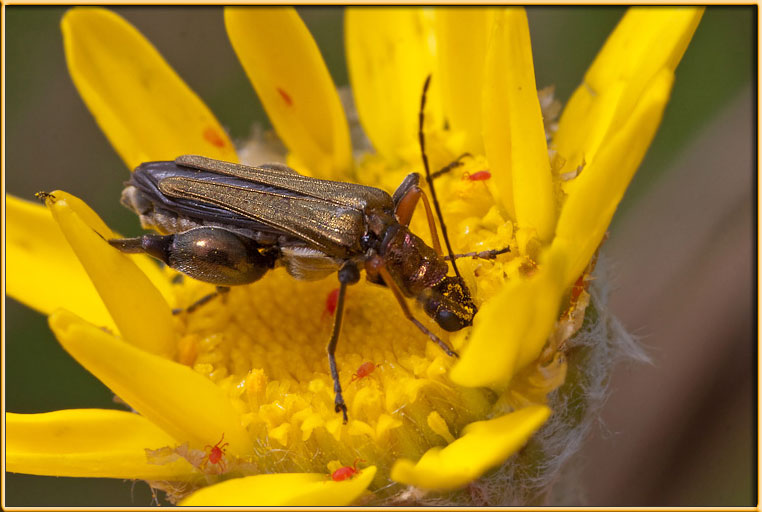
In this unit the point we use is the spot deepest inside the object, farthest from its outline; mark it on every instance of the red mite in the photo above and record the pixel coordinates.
(480, 176)
(363, 371)
(346, 472)
(215, 454)
(330, 302)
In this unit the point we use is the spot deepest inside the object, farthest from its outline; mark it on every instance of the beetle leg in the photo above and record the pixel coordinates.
(405, 200)
(449, 167)
(348, 274)
(399, 198)
(378, 266)
(331, 349)
(221, 290)
(482, 255)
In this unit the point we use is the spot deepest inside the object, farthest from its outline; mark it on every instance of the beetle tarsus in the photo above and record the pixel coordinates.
(44, 196)
(348, 274)
(449, 167)
(482, 255)
(341, 406)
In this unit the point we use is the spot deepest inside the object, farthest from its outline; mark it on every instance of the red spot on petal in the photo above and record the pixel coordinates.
(480, 176)
(285, 96)
(331, 301)
(213, 136)
(577, 289)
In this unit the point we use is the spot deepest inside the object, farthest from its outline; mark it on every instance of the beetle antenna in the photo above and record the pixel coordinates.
(429, 178)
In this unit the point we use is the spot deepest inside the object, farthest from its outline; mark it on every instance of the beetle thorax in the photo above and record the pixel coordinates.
(414, 265)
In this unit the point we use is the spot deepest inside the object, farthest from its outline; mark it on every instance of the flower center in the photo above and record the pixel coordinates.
(265, 344)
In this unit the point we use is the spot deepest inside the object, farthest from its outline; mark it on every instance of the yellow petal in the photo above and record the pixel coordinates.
(89, 443)
(136, 305)
(484, 444)
(461, 51)
(143, 106)
(511, 328)
(514, 135)
(42, 271)
(183, 403)
(646, 40)
(283, 489)
(588, 210)
(389, 55)
(286, 69)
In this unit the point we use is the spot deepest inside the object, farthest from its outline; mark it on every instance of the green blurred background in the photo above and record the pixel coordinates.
(680, 432)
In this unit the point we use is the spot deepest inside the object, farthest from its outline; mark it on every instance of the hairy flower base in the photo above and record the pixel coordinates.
(576, 382)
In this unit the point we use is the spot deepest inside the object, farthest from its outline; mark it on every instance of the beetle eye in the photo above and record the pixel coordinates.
(449, 321)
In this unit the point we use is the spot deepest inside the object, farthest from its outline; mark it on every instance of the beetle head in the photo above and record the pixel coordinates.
(449, 303)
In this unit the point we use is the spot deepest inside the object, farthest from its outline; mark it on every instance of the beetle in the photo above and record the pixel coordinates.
(229, 224)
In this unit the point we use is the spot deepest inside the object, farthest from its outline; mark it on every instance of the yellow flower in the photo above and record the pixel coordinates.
(248, 371)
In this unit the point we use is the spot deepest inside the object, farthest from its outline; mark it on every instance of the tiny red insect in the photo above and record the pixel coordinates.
(346, 472)
(330, 302)
(479, 176)
(215, 455)
(363, 371)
